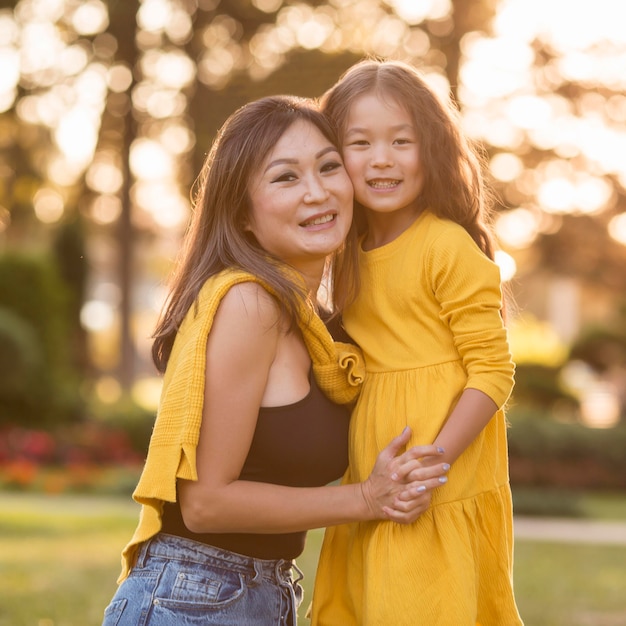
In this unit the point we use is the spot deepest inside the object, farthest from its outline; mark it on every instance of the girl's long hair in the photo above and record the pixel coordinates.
(453, 170)
(216, 238)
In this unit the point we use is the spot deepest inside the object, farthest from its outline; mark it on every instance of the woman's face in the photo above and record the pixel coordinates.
(301, 198)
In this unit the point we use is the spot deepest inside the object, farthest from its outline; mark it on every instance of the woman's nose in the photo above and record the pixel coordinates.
(316, 190)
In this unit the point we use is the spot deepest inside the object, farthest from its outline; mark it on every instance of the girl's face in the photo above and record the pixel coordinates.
(382, 156)
(301, 198)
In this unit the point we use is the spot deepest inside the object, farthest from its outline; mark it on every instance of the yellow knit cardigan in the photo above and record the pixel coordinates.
(338, 370)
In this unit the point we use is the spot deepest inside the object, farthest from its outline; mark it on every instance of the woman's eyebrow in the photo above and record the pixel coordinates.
(294, 161)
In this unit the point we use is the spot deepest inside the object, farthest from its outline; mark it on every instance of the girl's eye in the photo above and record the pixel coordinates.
(358, 142)
(403, 141)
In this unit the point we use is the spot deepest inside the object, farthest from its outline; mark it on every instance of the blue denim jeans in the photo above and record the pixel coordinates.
(177, 581)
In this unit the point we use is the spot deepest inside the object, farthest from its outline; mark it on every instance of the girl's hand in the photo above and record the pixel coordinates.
(399, 486)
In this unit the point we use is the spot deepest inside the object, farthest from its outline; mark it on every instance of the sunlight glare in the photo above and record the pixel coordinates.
(40, 48)
(73, 60)
(506, 264)
(617, 228)
(90, 17)
(9, 30)
(77, 134)
(413, 12)
(104, 175)
(40, 10)
(557, 195)
(592, 194)
(506, 166)
(63, 172)
(96, 315)
(150, 160)
(165, 103)
(48, 205)
(517, 228)
(162, 202)
(9, 69)
(175, 69)
(312, 33)
(267, 6)
(154, 15)
(177, 138)
(529, 111)
(119, 78)
(105, 209)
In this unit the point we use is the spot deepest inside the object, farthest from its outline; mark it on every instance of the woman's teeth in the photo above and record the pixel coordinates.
(320, 220)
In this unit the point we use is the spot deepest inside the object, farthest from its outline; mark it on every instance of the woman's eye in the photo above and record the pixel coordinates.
(331, 166)
(287, 177)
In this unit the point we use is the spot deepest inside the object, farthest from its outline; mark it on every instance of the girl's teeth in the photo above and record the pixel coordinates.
(380, 184)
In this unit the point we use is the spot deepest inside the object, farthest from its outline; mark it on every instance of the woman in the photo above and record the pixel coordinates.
(245, 441)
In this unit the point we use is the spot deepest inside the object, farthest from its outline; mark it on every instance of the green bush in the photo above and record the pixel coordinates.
(546, 452)
(35, 330)
(20, 354)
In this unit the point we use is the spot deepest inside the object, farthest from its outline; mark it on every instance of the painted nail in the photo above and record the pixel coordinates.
(421, 489)
(440, 450)
(446, 466)
(443, 479)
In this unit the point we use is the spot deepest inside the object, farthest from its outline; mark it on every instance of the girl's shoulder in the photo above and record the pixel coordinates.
(444, 231)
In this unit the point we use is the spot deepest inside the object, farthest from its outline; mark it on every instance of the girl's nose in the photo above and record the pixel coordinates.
(381, 157)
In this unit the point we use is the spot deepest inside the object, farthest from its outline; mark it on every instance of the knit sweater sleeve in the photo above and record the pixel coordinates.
(466, 283)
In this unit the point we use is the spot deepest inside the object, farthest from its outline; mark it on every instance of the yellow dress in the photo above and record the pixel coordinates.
(428, 321)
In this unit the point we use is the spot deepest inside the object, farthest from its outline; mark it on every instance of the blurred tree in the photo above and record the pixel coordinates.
(115, 104)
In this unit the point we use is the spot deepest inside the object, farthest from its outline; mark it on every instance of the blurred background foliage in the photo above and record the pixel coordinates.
(107, 109)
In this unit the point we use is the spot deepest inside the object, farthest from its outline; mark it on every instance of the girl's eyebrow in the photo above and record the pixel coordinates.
(398, 128)
(294, 161)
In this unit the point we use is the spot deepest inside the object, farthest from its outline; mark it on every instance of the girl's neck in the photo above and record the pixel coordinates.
(383, 228)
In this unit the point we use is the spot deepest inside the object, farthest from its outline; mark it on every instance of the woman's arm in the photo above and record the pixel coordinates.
(241, 350)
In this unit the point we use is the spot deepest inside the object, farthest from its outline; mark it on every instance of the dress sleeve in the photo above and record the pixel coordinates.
(466, 284)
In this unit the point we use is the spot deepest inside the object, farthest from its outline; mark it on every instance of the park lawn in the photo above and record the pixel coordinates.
(60, 558)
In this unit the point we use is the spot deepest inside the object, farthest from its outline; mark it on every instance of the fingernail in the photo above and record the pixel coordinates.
(405, 429)
(440, 450)
(421, 489)
(443, 479)
(394, 476)
(446, 466)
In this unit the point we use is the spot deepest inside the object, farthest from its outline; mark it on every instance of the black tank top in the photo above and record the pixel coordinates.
(304, 444)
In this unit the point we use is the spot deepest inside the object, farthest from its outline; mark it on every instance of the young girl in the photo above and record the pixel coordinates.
(428, 318)
(245, 441)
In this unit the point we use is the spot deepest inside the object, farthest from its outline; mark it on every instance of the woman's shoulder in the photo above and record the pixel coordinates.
(243, 296)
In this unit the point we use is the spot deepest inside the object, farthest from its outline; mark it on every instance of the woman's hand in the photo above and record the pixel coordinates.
(399, 487)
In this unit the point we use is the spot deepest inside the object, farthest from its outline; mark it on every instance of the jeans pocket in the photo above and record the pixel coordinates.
(193, 589)
(113, 612)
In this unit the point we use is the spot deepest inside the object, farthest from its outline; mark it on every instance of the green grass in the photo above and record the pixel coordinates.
(60, 558)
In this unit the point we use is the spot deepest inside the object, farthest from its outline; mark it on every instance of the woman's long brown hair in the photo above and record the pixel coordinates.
(216, 238)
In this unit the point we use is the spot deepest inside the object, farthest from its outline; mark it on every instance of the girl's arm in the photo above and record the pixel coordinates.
(242, 347)
(467, 286)
(470, 415)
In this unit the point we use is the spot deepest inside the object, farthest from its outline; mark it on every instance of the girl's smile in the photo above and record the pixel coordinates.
(382, 156)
